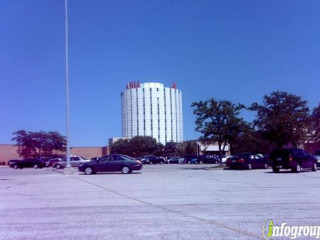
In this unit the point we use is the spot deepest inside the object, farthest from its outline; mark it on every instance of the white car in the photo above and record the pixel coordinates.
(74, 162)
(224, 158)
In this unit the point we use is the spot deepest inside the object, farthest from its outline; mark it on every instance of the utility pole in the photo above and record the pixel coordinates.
(68, 167)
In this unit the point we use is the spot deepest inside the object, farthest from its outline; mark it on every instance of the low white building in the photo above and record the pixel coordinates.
(212, 149)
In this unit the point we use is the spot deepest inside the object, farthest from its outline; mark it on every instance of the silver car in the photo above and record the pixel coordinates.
(74, 162)
(317, 156)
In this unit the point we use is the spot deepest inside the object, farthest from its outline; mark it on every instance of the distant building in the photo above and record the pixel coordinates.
(150, 109)
(10, 151)
(212, 149)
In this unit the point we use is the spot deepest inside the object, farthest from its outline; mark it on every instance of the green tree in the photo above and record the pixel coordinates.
(314, 130)
(25, 144)
(282, 118)
(137, 146)
(218, 121)
(190, 147)
(184, 148)
(143, 145)
(158, 150)
(57, 142)
(38, 144)
(121, 147)
(170, 149)
(250, 140)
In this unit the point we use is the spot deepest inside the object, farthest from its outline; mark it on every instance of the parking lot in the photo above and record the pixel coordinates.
(160, 202)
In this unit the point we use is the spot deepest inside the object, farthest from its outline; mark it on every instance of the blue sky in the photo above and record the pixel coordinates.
(234, 50)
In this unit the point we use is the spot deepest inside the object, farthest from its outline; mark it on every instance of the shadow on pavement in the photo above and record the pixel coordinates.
(109, 173)
(197, 167)
(286, 172)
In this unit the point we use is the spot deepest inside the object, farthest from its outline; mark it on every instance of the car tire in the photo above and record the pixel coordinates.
(58, 166)
(88, 171)
(249, 166)
(35, 166)
(314, 167)
(15, 166)
(125, 170)
(297, 169)
(275, 170)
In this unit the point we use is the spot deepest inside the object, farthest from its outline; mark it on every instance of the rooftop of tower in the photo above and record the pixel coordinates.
(147, 85)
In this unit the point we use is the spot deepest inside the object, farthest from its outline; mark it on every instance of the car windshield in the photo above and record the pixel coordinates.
(126, 157)
(280, 153)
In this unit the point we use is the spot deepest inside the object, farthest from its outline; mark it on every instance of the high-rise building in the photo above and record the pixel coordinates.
(150, 109)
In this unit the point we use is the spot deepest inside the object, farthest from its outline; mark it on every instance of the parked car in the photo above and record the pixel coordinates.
(44, 159)
(317, 155)
(111, 163)
(26, 163)
(293, 158)
(11, 162)
(74, 162)
(150, 159)
(174, 160)
(224, 158)
(208, 159)
(201, 159)
(247, 160)
(189, 159)
(194, 161)
(53, 161)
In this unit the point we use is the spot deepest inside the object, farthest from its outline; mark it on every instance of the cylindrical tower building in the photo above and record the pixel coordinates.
(150, 109)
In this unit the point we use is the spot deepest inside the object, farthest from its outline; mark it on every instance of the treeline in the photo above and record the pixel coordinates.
(39, 144)
(144, 145)
(282, 119)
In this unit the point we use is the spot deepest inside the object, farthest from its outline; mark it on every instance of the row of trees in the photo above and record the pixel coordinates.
(282, 119)
(39, 144)
(140, 145)
(45, 144)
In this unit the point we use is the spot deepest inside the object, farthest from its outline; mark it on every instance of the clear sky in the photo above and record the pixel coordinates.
(234, 50)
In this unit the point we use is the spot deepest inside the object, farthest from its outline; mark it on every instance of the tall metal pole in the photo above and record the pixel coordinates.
(67, 85)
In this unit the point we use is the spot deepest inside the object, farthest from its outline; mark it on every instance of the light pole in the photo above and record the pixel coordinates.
(67, 89)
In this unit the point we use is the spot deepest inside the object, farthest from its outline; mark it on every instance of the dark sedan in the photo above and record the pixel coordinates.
(150, 159)
(111, 163)
(247, 160)
(35, 163)
(293, 158)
